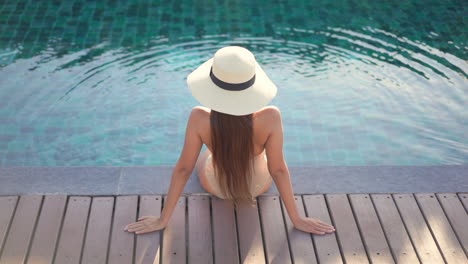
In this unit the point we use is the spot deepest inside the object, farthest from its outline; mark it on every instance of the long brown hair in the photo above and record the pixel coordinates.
(232, 157)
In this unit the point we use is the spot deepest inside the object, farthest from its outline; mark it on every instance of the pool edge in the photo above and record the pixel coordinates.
(121, 180)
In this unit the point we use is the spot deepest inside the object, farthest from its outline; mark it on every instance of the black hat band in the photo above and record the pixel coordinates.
(231, 86)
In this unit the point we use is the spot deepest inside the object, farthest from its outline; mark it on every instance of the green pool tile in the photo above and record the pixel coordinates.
(67, 27)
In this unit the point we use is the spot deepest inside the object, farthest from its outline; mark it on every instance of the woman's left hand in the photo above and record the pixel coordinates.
(146, 224)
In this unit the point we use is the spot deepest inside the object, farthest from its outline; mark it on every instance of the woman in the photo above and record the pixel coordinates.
(243, 136)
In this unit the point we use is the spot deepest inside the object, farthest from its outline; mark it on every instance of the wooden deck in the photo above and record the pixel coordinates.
(371, 228)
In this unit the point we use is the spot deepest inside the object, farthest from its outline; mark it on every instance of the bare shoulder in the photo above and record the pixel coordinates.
(271, 115)
(200, 118)
(199, 112)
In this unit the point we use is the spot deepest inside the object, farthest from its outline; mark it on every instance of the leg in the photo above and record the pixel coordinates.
(200, 166)
(265, 188)
(262, 177)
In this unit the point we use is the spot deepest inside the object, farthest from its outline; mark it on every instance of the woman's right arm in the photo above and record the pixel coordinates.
(280, 174)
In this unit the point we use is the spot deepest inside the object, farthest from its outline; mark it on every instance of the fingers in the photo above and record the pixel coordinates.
(321, 229)
(143, 231)
(325, 225)
(132, 226)
(318, 223)
(141, 219)
(316, 231)
(137, 229)
(315, 226)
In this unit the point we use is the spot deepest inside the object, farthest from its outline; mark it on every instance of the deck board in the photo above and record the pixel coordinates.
(250, 235)
(48, 229)
(348, 234)
(73, 231)
(99, 227)
(276, 242)
(373, 235)
(174, 246)
(301, 245)
(457, 216)
(226, 249)
(385, 228)
(464, 199)
(21, 230)
(441, 229)
(393, 226)
(326, 246)
(199, 230)
(7, 209)
(122, 243)
(417, 228)
(148, 248)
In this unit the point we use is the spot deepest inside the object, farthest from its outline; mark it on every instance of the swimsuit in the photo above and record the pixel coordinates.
(260, 177)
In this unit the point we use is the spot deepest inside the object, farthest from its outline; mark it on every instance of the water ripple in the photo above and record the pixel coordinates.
(405, 96)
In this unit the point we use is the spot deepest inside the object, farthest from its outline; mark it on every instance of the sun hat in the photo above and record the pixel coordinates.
(232, 82)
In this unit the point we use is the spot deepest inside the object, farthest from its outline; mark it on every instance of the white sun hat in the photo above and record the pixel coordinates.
(232, 82)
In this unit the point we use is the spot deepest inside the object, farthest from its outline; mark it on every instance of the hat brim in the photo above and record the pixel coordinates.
(236, 103)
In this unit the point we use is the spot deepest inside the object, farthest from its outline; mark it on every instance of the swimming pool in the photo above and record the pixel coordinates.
(359, 82)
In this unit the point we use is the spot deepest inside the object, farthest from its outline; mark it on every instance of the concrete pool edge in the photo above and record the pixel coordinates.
(121, 180)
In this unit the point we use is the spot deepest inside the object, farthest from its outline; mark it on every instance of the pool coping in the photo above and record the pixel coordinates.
(120, 180)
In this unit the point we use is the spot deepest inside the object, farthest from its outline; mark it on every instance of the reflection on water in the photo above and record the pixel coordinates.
(348, 97)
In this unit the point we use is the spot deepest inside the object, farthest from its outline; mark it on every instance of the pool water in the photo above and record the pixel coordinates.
(359, 82)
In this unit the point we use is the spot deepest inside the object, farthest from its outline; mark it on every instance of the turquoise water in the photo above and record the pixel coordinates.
(359, 82)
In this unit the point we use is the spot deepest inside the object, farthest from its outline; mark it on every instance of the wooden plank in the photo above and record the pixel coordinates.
(250, 235)
(122, 242)
(457, 216)
(200, 248)
(327, 249)
(97, 234)
(48, 229)
(464, 199)
(274, 233)
(73, 230)
(346, 228)
(441, 229)
(173, 250)
(372, 233)
(301, 245)
(226, 249)
(394, 229)
(21, 230)
(7, 208)
(148, 244)
(416, 226)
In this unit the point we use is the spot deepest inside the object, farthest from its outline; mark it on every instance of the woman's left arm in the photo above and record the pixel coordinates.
(180, 176)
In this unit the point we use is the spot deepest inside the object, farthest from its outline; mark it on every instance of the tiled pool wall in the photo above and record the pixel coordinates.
(56, 29)
(78, 24)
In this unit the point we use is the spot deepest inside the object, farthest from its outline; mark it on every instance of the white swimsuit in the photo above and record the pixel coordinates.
(260, 178)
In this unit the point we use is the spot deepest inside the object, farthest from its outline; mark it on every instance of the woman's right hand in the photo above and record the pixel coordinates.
(314, 226)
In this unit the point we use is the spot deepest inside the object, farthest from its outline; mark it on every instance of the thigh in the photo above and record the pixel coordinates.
(265, 188)
(201, 172)
(262, 179)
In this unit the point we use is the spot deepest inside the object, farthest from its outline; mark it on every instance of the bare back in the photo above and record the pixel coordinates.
(261, 129)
